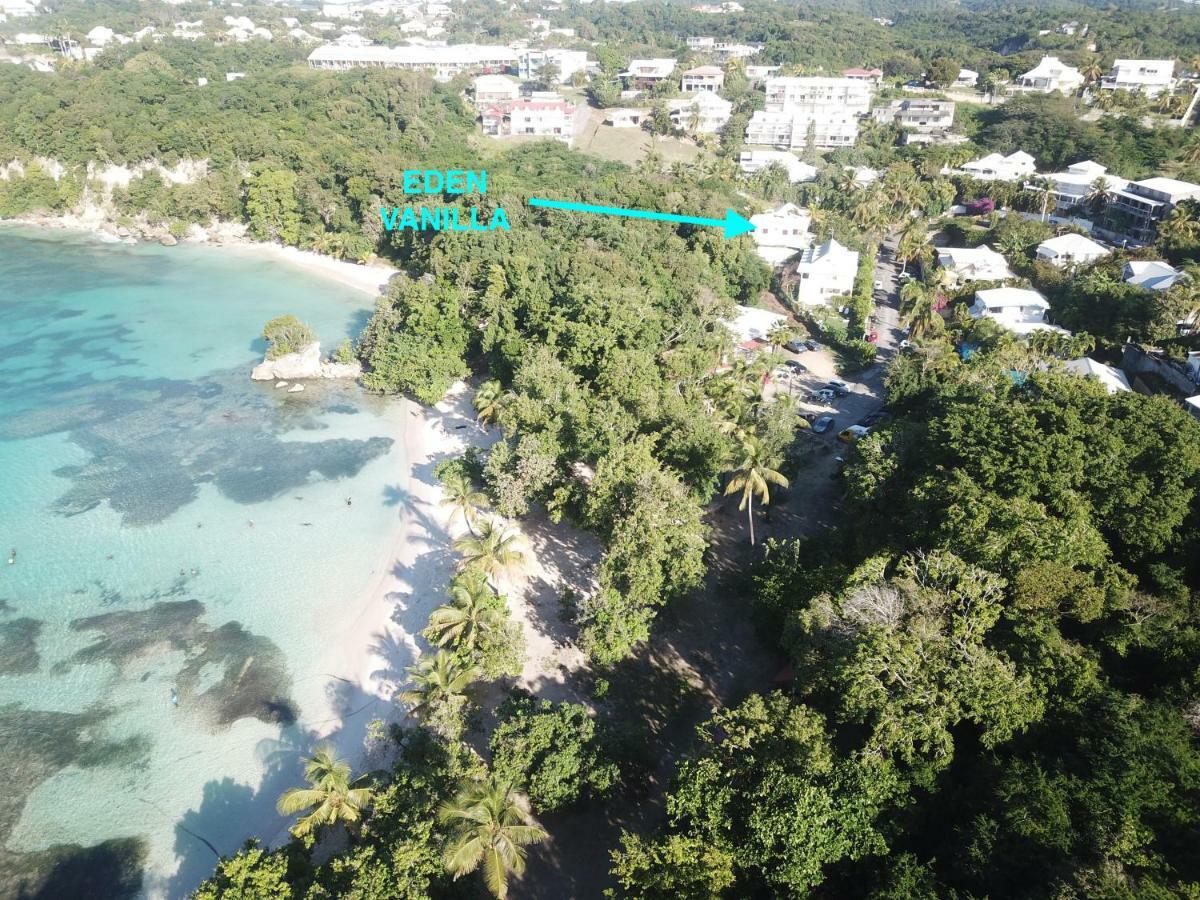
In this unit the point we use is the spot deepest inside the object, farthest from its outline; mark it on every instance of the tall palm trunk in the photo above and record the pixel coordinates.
(750, 517)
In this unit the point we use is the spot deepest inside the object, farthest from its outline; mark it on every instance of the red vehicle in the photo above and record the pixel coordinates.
(871, 336)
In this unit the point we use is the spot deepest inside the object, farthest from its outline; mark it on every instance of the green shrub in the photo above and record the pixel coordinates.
(286, 334)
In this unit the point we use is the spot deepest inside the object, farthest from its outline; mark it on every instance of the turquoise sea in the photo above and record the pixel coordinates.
(184, 556)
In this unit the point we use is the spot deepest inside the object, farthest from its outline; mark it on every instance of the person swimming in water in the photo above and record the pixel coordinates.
(12, 556)
(174, 697)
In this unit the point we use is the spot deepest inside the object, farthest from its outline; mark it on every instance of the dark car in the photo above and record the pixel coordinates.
(796, 365)
(796, 346)
(809, 417)
(822, 424)
(812, 345)
(839, 388)
(876, 419)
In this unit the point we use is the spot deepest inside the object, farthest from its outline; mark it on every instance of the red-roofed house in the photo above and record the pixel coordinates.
(874, 76)
(544, 118)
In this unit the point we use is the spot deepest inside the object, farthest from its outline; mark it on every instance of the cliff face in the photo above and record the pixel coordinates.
(306, 363)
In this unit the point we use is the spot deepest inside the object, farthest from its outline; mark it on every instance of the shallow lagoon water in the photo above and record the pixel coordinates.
(178, 529)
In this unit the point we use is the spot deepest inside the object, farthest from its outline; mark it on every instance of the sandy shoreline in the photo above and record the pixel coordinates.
(369, 279)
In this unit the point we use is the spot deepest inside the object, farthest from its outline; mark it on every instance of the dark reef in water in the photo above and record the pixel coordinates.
(18, 646)
(254, 680)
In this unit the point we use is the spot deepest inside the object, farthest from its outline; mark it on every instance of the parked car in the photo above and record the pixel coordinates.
(838, 388)
(879, 285)
(796, 365)
(876, 419)
(822, 424)
(812, 345)
(824, 395)
(796, 346)
(809, 417)
(853, 433)
(905, 344)
(871, 337)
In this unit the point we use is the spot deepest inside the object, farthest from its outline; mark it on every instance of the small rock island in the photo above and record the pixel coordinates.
(293, 353)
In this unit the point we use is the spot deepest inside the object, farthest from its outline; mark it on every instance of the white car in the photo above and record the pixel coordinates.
(879, 285)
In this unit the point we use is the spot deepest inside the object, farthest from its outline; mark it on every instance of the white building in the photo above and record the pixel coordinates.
(780, 233)
(564, 63)
(757, 75)
(626, 117)
(100, 35)
(798, 170)
(646, 72)
(966, 79)
(973, 264)
(917, 114)
(1050, 75)
(1151, 275)
(1114, 380)
(1071, 189)
(1071, 250)
(824, 272)
(754, 324)
(702, 79)
(496, 89)
(849, 95)
(995, 167)
(792, 130)
(443, 61)
(543, 118)
(1148, 76)
(1019, 310)
(701, 113)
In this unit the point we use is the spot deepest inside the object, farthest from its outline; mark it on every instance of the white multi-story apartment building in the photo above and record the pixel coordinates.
(1050, 75)
(530, 63)
(702, 113)
(444, 61)
(925, 116)
(702, 79)
(1072, 189)
(1148, 76)
(792, 130)
(850, 95)
(824, 272)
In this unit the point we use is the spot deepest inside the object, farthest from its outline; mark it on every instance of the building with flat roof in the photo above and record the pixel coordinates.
(798, 170)
(702, 79)
(1145, 76)
(443, 61)
(1019, 310)
(1135, 210)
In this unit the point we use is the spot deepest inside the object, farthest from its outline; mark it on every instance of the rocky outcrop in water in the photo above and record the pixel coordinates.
(307, 363)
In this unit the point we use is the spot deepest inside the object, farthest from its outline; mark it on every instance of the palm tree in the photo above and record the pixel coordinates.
(437, 679)
(491, 827)
(1179, 227)
(780, 334)
(468, 614)
(332, 797)
(754, 476)
(492, 550)
(463, 498)
(920, 309)
(1097, 194)
(1092, 71)
(914, 245)
(488, 399)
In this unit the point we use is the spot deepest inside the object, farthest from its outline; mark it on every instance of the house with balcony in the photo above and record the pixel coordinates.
(645, 73)
(821, 273)
(495, 89)
(702, 79)
(967, 78)
(780, 234)
(966, 264)
(923, 121)
(533, 64)
(1134, 211)
(1071, 249)
(543, 118)
(1019, 310)
(752, 161)
(1083, 184)
(700, 113)
(1048, 76)
(793, 130)
(846, 94)
(873, 77)
(1150, 77)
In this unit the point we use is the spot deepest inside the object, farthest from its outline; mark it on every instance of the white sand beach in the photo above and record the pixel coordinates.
(369, 278)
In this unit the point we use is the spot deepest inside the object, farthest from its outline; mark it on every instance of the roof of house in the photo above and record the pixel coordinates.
(1050, 67)
(1153, 275)
(862, 73)
(1072, 244)
(752, 323)
(703, 100)
(978, 258)
(1168, 185)
(705, 71)
(830, 251)
(1114, 380)
(1011, 296)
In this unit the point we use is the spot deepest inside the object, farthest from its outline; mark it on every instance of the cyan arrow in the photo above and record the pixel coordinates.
(732, 223)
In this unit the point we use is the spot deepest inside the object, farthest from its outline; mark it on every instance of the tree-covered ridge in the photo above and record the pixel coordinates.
(994, 657)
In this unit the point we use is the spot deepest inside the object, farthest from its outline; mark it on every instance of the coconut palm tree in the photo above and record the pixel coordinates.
(463, 499)
(754, 476)
(435, 680)
(1097, 194)
(469, 613)
(920, 310)
(331, 798)
(1180, 226)
(491, 827)
(914, 244)
(1092, 70)
(492, 550)
(488, 399)
(780, 334)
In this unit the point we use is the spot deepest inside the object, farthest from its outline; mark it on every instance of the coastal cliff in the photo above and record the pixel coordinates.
(306, 363)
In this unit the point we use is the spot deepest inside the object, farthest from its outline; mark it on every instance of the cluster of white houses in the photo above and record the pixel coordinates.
(504, 109)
